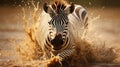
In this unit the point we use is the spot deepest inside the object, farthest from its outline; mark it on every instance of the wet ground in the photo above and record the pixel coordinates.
(106, 29)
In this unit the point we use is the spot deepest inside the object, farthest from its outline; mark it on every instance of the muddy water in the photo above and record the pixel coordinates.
(107, 27)
(103, 29)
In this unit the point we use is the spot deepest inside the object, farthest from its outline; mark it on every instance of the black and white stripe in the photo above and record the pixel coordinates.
(80, 15)
(59, 24)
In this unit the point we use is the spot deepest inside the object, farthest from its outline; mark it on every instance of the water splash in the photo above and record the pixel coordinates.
(29, 48)
(31, 52)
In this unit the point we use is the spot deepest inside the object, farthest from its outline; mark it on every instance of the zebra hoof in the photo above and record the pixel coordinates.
(54, 62)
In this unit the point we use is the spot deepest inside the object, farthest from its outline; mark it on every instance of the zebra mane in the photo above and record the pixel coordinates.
(59, 4)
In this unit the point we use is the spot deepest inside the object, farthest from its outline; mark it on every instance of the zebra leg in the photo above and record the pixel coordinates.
(65, 53)
(47, 54)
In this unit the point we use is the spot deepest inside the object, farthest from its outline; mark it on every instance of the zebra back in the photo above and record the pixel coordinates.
(78, 22)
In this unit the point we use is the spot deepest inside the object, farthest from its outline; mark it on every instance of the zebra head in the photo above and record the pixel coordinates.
(58, 25)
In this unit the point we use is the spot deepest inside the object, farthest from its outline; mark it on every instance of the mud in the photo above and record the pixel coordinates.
(18, 46)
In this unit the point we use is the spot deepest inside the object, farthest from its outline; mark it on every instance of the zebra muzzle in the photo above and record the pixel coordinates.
(57, 42)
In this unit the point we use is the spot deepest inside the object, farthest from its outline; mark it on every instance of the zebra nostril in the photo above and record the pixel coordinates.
(59, 34)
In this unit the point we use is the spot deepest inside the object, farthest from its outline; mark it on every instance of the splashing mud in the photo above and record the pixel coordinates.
(30, 52)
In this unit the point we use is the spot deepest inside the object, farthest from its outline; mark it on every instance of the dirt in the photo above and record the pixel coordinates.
(18, 46)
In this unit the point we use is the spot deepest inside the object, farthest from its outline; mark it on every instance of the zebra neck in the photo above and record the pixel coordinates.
(48, 44)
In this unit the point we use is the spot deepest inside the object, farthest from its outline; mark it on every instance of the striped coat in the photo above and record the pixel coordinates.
(76, 26)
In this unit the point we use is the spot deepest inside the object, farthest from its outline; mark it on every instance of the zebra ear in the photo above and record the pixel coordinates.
(70, 8)
(47, 8)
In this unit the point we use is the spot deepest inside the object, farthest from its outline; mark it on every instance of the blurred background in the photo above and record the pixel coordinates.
(115, 3)
(103, 28)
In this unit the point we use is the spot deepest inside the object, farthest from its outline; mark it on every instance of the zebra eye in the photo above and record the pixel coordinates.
(49, 22)
(66, 22)
(66, 26)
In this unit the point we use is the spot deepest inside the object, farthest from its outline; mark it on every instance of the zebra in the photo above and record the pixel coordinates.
(54, 31)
